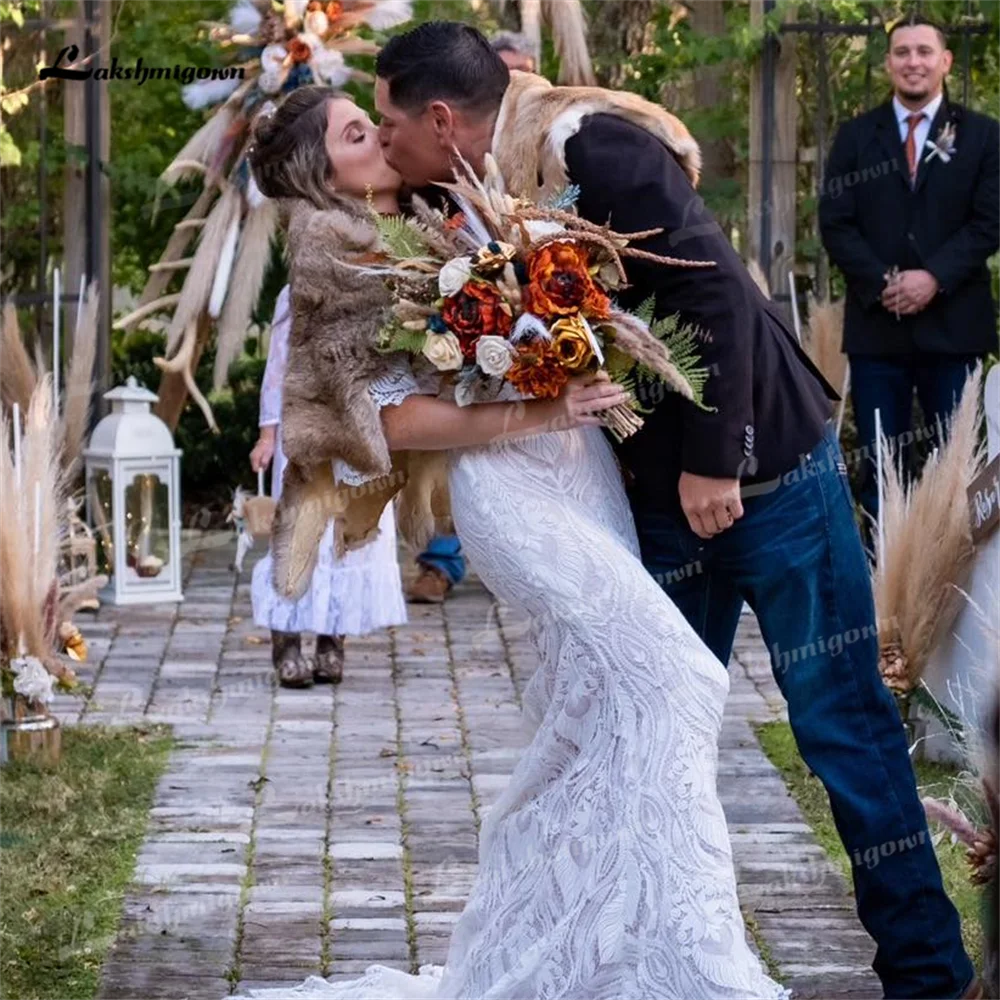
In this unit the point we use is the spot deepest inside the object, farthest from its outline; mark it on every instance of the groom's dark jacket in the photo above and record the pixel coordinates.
(771, 403)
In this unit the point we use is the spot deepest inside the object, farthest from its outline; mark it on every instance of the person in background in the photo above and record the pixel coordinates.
(910, 212)
(360, 593)
(515, 50)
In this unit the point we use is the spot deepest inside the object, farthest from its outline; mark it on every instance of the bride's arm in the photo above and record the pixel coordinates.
(429, 424)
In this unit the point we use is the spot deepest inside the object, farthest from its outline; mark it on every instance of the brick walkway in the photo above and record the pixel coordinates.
(300, 832)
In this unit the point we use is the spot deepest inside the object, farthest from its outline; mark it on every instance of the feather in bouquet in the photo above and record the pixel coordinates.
(274, 48)
(509, 293)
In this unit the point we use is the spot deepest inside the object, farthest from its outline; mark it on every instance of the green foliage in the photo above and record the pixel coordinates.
(937, 780)
(402, 237)
(564, 200)
(681, 340)
(70, 836)
(395, 337)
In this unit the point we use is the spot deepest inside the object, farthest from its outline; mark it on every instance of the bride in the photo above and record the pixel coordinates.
(605, 868)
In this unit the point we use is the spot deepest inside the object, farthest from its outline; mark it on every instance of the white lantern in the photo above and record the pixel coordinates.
(133, 499)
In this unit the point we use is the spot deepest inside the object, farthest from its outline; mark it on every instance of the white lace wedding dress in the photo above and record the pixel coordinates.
(605, 870)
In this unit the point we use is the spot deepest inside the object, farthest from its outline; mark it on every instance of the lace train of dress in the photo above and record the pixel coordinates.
(605, 870)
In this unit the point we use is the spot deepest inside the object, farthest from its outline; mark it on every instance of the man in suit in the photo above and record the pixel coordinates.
(910, 212)
(747, 502)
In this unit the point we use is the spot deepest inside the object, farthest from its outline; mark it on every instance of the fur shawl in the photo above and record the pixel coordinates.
(327, 412)
(536, 119)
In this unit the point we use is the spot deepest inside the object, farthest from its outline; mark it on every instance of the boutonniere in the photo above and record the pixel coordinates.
(943, 147)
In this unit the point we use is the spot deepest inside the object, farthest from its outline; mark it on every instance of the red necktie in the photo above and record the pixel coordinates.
(911, 144)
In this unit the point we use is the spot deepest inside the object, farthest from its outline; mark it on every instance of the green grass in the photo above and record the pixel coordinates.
(933, 779)
(68, 842)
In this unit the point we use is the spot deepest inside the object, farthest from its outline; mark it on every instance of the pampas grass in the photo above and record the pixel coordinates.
(79, 391)
(201, 274)
(17, 373)
(248, 278)
(28, 573)
(927, 545)
(759, 278)
(201, 148)
(569, 35)
(824, 338)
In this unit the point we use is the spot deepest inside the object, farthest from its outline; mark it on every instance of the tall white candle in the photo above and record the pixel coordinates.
(17, 445)
(38, 517)
(260, 482)
(56, 317)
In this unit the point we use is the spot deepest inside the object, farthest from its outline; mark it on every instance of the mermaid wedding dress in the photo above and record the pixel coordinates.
(605, 870)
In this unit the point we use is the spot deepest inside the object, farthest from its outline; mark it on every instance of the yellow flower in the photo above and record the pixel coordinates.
(73, 640)
(571, 343)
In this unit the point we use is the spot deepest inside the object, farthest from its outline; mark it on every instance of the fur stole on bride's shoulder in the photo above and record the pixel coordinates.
(338, 306)
(536, 120)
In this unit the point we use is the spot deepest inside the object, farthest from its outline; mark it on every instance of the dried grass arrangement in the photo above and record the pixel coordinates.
(925, 546)
(824, 338)
(42, 583)
(232, 225)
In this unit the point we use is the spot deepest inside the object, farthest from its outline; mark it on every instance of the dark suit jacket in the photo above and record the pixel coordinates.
(772, 403)
(948, 224)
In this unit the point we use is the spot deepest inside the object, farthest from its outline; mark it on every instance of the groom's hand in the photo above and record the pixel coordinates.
(710, 505)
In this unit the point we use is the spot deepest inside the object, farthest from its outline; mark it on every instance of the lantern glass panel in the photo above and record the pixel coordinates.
(100, 486)
(147, 526)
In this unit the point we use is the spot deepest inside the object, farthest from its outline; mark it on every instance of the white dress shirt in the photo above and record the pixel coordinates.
(929, 110)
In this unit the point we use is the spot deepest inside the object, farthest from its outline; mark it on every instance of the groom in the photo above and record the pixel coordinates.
(749, 502)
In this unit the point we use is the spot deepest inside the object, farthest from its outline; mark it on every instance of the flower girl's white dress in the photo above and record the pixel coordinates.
(354, 595)
(605, 870)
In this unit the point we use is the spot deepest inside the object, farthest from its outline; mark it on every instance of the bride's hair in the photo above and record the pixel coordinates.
(288, 153)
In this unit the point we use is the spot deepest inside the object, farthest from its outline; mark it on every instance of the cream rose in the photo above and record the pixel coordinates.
(317, 22)
(493, 355)
(32, 680)
(454, 275)
(443, 351)
(272, 59)
(328, 66)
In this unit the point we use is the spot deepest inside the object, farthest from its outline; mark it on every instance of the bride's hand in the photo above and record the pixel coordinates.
(583, 399)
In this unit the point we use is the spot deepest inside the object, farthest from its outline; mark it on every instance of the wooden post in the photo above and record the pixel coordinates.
(708, 18)
(778, 258)
(74, 213)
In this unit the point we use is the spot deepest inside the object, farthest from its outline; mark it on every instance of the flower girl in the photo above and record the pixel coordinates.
(354, 595)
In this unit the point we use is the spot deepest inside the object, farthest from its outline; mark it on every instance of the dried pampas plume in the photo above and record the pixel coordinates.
(824, 338)
(759, 278)
(17, 372)
(80, 383)
(248, 277)
(926, 546)
(31, 505)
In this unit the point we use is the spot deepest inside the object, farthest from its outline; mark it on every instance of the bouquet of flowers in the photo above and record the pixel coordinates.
(506, 293)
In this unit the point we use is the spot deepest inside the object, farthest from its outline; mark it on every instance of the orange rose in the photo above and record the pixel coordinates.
(476, 311)
(559, 283)
(334, 9)
(537, 371)
(299, 50)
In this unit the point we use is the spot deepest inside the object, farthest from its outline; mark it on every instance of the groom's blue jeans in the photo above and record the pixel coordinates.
(796, 558)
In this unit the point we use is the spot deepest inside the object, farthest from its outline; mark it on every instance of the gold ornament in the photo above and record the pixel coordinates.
(571, 343)
(74, 642)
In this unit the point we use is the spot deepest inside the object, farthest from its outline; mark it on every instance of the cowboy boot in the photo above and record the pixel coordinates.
(286, 654)
(329, 663)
